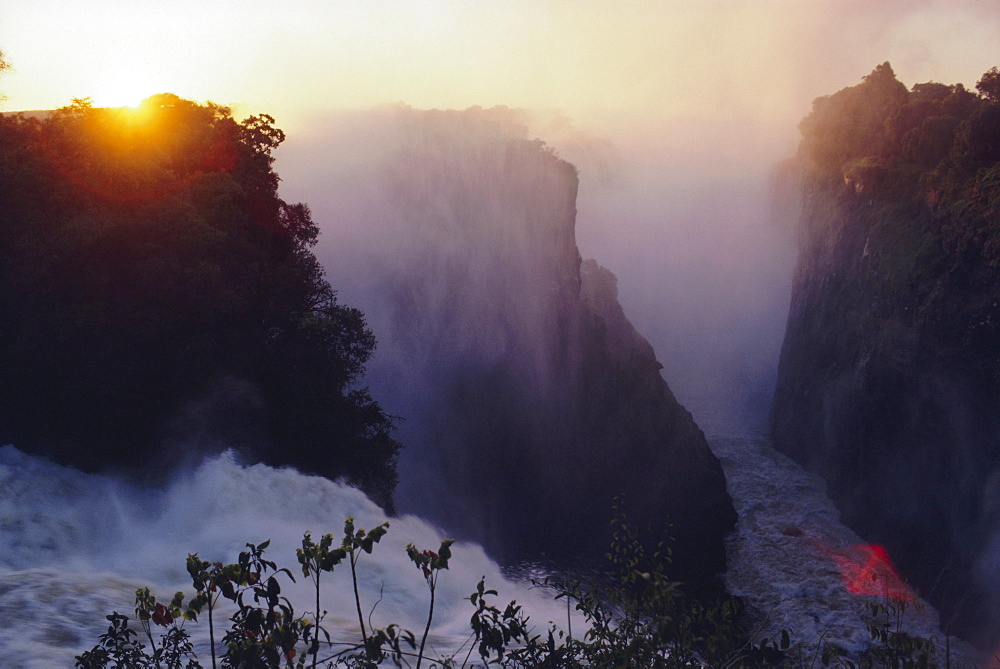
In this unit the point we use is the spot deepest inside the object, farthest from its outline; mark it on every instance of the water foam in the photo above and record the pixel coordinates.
(76, 546)
(783, 555)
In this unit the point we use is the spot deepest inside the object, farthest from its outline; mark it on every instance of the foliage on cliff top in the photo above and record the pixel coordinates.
(922, 169)
(877, 135)
(153, 285)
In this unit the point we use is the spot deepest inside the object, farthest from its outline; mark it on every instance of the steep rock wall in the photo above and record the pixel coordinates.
(889, 380)
(528, 402)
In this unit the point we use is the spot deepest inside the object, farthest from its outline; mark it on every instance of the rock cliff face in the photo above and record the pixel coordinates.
(528, 400)
(889, 381)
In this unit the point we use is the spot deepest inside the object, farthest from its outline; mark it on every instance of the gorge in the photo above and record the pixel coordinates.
(519, 379)
(524, 398)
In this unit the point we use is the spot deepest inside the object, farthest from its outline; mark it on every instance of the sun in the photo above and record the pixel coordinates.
(120, 96)
(124, 91)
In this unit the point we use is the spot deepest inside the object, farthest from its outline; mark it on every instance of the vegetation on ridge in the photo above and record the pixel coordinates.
(156, 292)
(641, 619)
(928, 158)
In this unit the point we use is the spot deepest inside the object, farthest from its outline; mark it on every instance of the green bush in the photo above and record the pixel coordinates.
(638, 619)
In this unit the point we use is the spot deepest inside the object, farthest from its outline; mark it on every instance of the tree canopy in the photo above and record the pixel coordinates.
(4, 66)
(156, 295)
(935, 147)
(989, 85)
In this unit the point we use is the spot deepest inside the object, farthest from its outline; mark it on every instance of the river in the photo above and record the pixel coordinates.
(76, 546)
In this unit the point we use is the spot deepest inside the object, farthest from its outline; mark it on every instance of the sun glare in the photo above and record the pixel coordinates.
(127, 91)
(119, 97)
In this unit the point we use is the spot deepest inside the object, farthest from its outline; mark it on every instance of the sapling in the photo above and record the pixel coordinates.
(430, 564)
(118, 647)
(353, 542)
(642, 619)
(494, 629)
(208, 579)
(175, 644)
(314, 560)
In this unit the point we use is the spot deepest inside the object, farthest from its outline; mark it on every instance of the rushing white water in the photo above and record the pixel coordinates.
(75, 547)
(781, 557)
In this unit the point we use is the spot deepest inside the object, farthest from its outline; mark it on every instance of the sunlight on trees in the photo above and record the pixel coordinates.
(4, 67)
(989, 85)
(150, 264)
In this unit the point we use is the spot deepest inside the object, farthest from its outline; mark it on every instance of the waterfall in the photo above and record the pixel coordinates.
(76, 547)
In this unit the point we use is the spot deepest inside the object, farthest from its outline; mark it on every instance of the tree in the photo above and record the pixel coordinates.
(989, 85)
(853, 123)
(155, 289)
(4, 67)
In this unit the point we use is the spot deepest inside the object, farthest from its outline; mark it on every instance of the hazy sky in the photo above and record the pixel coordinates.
(590, 59)
(697, 100)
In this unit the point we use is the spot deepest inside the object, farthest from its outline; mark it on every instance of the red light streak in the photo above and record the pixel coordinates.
(867, 570)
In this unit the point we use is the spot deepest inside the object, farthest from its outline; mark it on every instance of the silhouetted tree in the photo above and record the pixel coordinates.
(853, 123)
(989, 85)
(155, 288)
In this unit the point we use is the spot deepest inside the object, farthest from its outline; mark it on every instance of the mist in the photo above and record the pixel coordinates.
(697, 230)
(685, 190)
(675, 114)
(677, 119)
(678, 116)
(454, 232)
(685, 219)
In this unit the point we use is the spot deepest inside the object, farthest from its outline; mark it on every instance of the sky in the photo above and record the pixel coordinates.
(592, 60)
(677, 112)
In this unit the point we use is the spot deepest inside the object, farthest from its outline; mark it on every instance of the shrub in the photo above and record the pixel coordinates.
(639, 618)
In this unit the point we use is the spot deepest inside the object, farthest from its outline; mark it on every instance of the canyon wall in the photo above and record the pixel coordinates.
(889, 380)
(528, 401)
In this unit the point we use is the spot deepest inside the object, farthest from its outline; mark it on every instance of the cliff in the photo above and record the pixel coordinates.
(529, 401)
(889, 379)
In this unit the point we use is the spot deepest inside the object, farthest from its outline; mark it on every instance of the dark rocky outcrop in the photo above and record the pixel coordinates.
(889, 381)
(529, 401)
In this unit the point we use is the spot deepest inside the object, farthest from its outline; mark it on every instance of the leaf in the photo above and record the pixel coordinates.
(161, 616)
